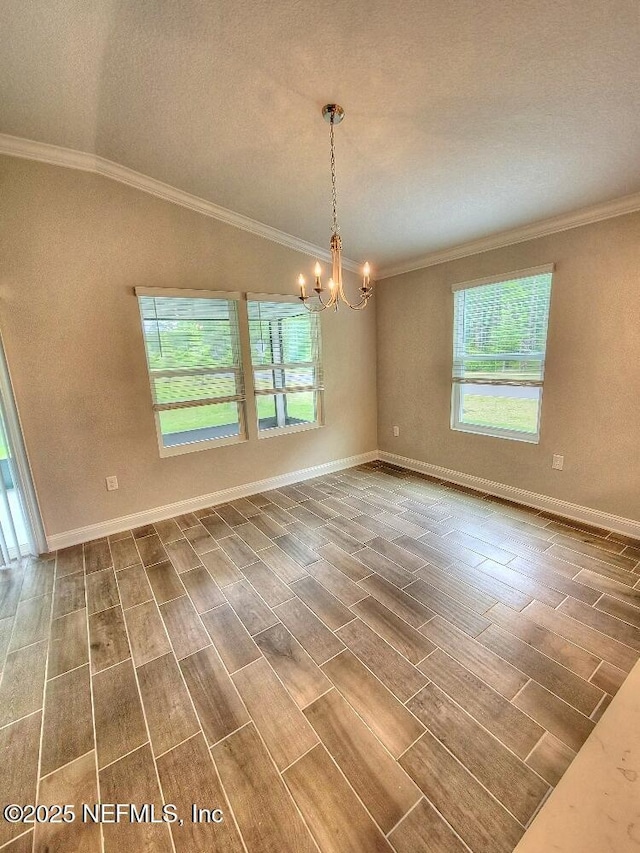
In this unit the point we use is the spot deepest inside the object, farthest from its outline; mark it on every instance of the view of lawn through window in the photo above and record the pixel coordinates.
(194, 365)
(500, 334)
(494, 410)
(286, 366)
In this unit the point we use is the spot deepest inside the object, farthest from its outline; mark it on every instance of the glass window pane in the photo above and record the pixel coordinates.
(499, 345)
(265, 380)
(285, 356)
(266, 412)
(193, 355)
(199, 423)
(298, 338)
(299, 377)
(186, 332)
(282, 333)
(279, 378)
(285, 410)
(509, 407)
(181, 389)
(500, 329)
(301, 407)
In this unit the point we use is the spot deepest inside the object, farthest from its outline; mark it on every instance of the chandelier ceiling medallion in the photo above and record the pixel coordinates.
(333, 113)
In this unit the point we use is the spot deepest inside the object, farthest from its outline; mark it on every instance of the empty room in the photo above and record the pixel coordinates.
(319, 426)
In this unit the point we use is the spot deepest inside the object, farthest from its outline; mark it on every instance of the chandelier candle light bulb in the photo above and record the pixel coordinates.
(318, 273)
(334, 114)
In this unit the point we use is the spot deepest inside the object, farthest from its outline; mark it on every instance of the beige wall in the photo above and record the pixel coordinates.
(591, 398)
(73, 247)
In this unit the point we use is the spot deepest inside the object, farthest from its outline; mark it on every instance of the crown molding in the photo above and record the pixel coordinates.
(15, 146)
(69, 158)
(542, 228)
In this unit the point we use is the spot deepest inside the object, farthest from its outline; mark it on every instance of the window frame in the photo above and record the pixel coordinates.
(240, 399)
(316, 364)
(456, 390)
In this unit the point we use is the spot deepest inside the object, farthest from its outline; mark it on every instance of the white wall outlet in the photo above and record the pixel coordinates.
(558, 462)
(112, 484)
(396, 431)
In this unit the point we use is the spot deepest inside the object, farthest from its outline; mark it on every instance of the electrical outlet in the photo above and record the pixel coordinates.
(558, 462)
(396, 431)
(112, 484)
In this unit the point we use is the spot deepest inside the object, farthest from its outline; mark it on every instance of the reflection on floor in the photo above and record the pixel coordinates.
(368, 661)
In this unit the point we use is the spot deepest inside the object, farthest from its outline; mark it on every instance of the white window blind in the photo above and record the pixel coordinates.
(287, 371)
(193, 354)
(499, 345)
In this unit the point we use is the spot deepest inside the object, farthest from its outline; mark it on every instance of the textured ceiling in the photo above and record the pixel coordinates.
(463, 118)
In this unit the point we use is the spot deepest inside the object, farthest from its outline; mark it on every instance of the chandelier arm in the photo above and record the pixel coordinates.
(311, 310)
(324, 305)
(358, 305)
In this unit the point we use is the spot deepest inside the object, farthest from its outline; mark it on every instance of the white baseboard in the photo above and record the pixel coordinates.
(159, 513)
(616, 523)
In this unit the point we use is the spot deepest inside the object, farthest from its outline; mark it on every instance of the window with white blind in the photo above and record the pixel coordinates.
(499, 343)
(285, 356)
(195, 367)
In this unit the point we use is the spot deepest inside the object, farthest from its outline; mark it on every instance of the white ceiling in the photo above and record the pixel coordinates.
(463, 118)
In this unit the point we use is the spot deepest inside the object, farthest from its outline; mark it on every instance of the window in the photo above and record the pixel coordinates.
(193, 355)
(285, 355)
(499, 343)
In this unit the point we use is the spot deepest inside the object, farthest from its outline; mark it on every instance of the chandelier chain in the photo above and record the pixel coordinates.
(334, 114)
(334, 192)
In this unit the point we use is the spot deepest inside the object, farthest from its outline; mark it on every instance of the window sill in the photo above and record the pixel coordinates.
(511, 435)
(276, 431)
(194, 446)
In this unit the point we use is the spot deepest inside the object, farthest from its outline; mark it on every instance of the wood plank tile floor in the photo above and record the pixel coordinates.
(371, 660)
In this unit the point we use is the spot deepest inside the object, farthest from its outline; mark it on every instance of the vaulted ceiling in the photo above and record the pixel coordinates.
(463, 119)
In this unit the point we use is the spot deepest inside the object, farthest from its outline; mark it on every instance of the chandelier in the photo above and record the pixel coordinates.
(334, 114)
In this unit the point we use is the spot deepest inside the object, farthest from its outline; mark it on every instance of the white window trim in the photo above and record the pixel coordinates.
(182, 293)
(203, 444)
(271, 297)
(276, 431)
(491, 431)
(545, 269)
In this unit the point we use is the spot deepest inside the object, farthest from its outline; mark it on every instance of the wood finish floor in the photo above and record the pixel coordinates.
(369, 661)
